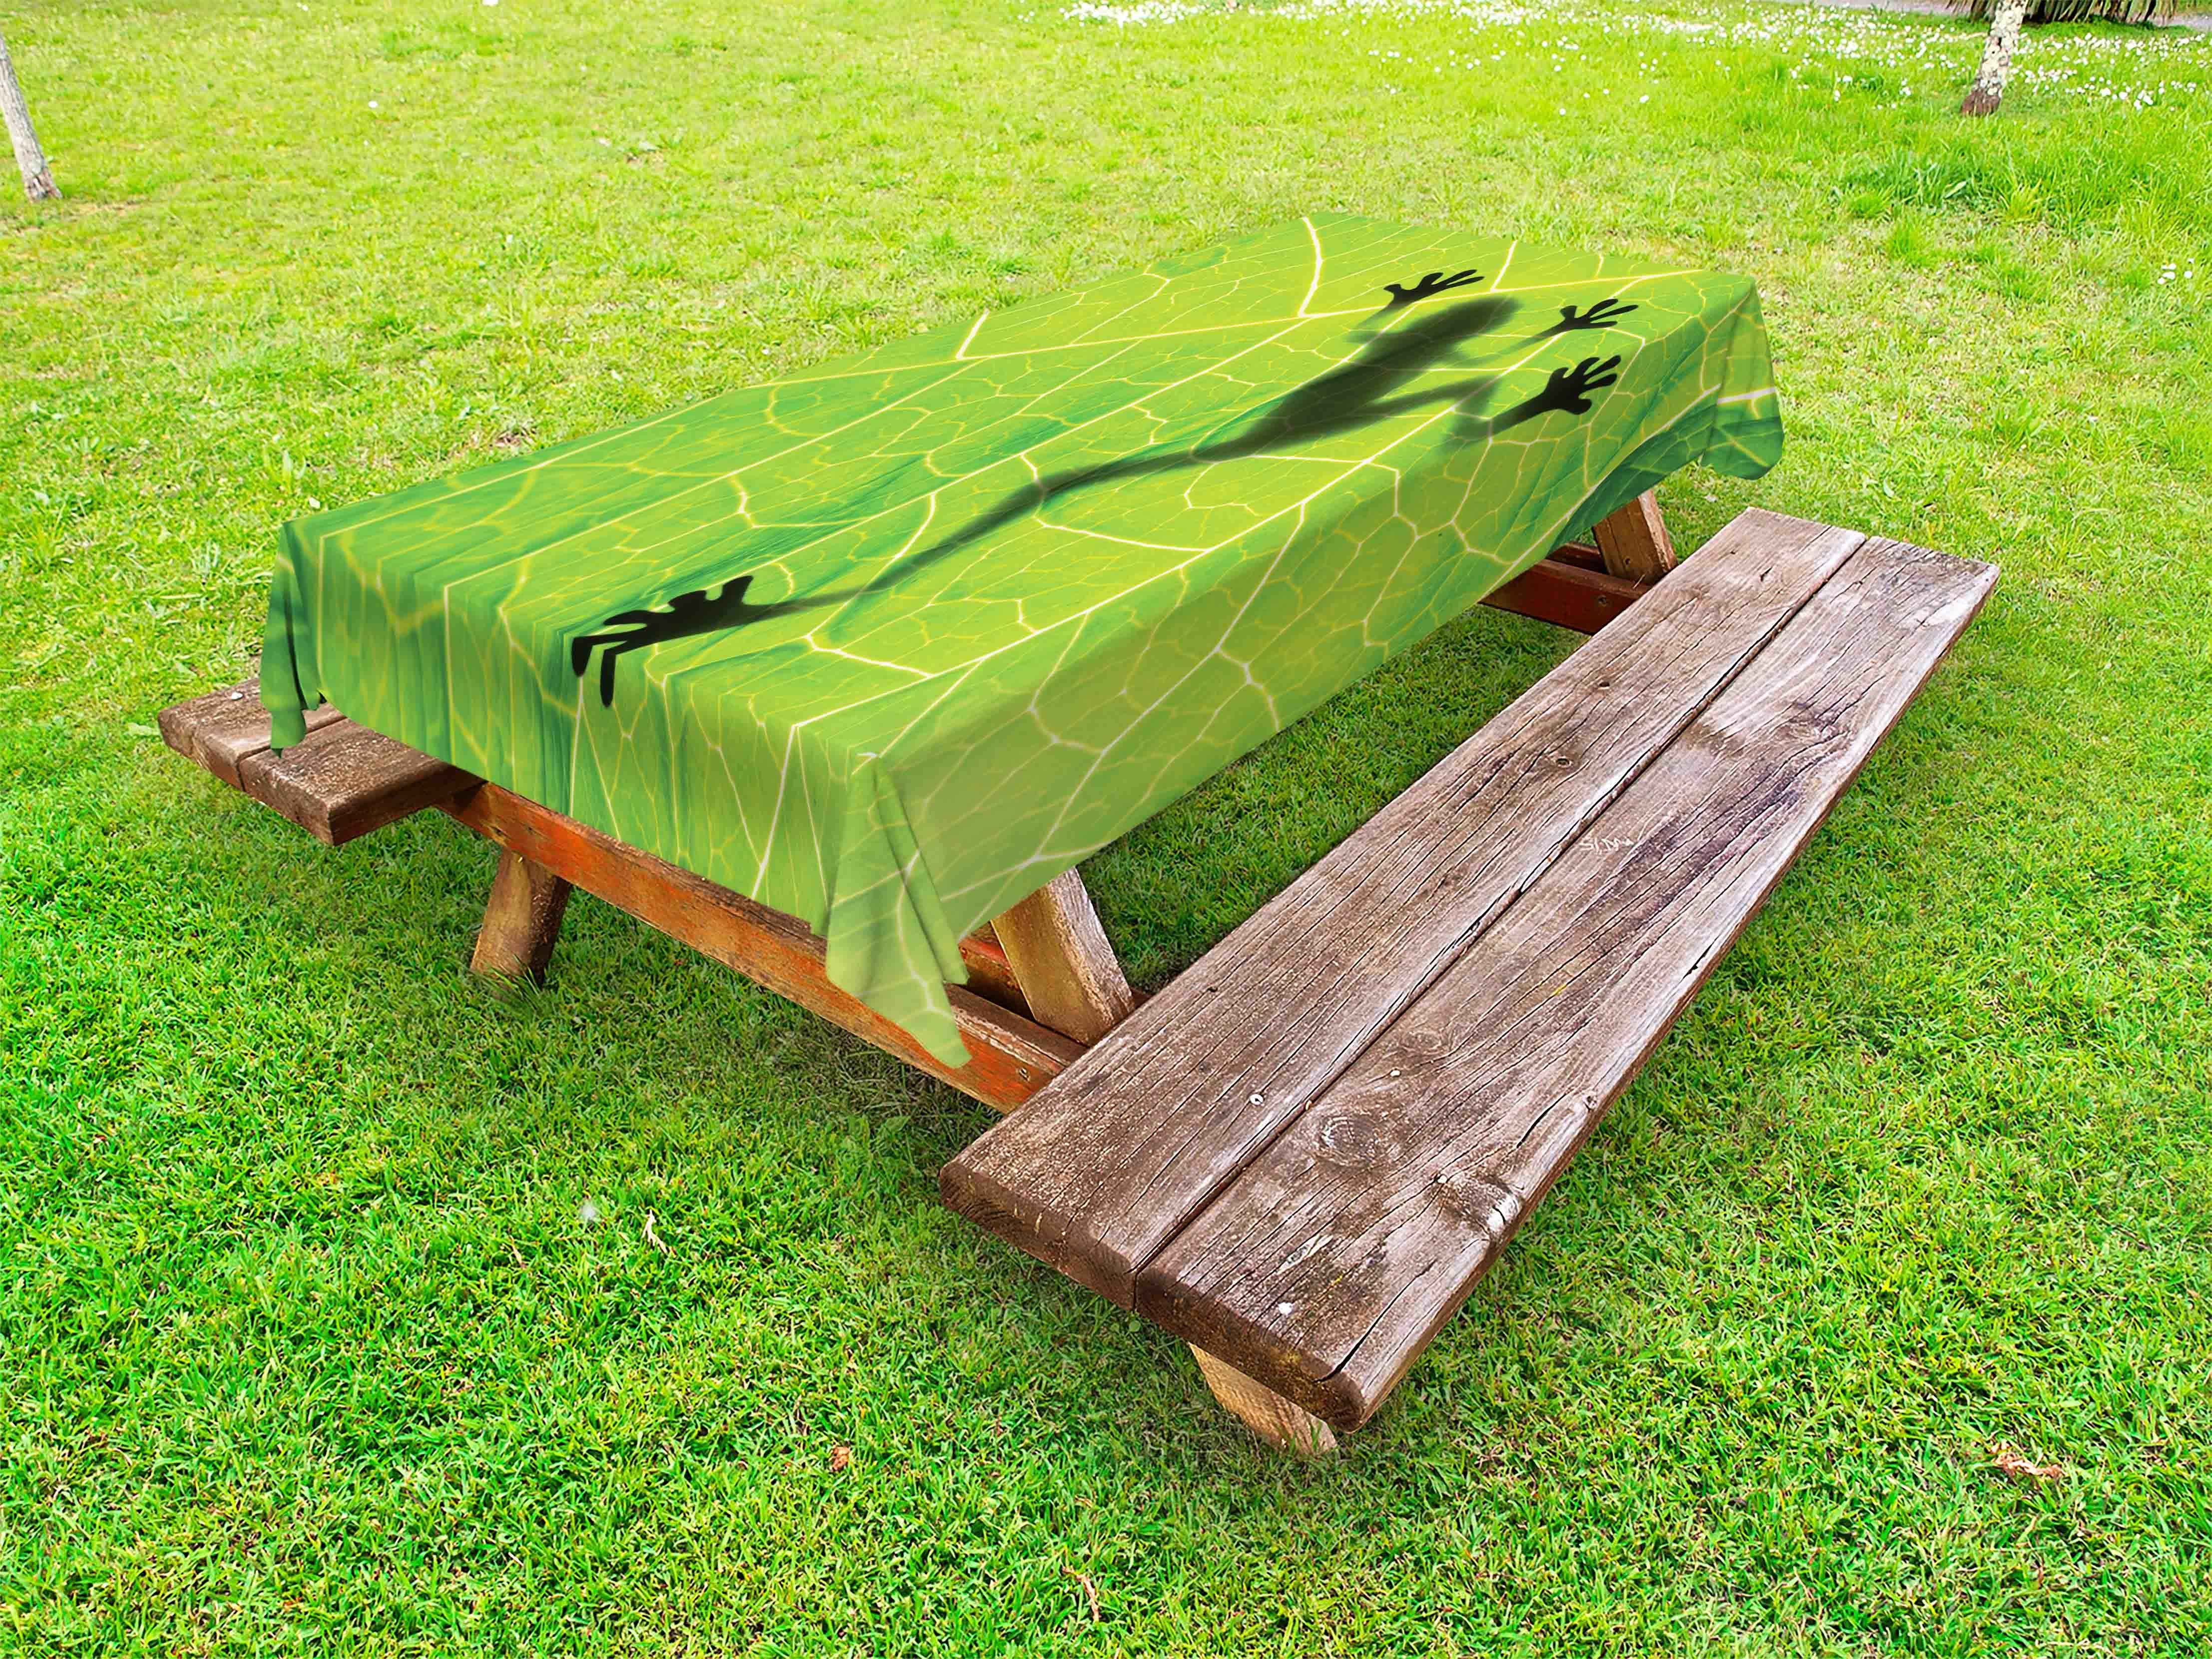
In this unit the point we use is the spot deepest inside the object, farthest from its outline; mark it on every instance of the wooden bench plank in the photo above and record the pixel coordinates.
(1098, 1173)
(1330, 1262)
(343, 780)
(340, 782)
(221, 728)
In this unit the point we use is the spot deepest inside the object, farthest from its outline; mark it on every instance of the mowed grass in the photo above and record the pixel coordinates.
(347, 1306)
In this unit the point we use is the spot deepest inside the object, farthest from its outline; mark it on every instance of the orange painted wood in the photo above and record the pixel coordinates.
(1567, 594)
(989, 973)
(1581, 555)
(1013, 1057)
(345, 780)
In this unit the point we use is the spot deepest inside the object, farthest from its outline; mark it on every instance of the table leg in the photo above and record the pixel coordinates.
(1278, 1421)
(1063, 962)
(521, 920)
(1635, 542)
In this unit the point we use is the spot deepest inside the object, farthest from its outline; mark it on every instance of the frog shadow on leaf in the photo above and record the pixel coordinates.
(1372, 386)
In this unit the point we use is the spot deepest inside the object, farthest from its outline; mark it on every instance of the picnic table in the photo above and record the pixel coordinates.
(839, 678)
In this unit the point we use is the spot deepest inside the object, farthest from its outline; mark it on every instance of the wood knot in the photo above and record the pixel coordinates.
(1479, 1199)
(1422, 1041)
(1355, 1141)
(1808, 726)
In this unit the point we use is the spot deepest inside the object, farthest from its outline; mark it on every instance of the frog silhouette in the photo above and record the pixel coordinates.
(1390, 374)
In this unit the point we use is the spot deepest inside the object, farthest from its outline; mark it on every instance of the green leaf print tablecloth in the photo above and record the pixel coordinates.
(890, 644)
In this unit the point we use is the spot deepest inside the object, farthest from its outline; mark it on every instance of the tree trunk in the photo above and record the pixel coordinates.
(38, 182)
(1988, 90)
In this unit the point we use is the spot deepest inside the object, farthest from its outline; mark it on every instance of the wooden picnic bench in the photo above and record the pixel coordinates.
(1301, 1154)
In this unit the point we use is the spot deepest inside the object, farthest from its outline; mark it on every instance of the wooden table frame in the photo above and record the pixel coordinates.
(1044, 983)
(1067, 970)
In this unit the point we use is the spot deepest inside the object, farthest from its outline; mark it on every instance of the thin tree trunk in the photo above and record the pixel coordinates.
(38, 182)
(1988, 90)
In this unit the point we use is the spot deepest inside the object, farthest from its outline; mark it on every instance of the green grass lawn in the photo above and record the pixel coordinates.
(331, 1313)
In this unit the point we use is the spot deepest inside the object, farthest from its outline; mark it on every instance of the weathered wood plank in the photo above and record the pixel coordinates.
(1062, 961)
(521, 921)
(344, 780)
(221, 728)
(1567, 595)
(1325, 1267)
(1012, 1057)
(1634, 541)
(1097, 1174)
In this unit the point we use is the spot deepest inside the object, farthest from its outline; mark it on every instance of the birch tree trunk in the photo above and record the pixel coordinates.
(1988, 90)
(38, 182)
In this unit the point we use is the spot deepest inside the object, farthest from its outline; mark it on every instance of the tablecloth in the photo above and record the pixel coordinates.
(888, 644)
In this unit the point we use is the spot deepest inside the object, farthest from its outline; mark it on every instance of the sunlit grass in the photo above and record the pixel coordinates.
(308, 1340)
